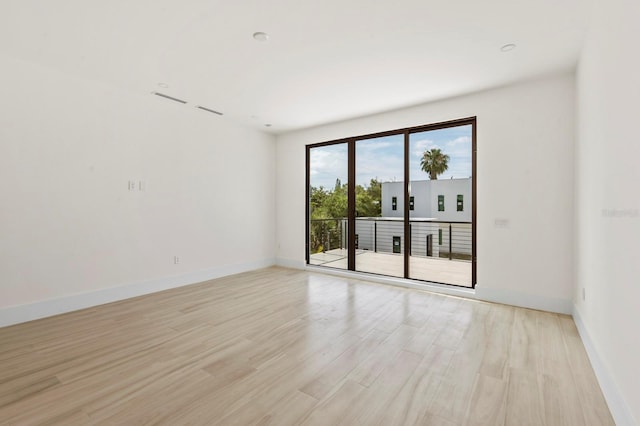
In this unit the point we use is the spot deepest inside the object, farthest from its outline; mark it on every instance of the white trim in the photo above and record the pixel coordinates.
(620, 411)
(290, 263)
(46, 308)
(525, 300)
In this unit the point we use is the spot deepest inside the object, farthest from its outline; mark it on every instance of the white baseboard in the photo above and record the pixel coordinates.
(46, 308)
(507, 297)
(525, 300)
(291, 263)
(619, 409)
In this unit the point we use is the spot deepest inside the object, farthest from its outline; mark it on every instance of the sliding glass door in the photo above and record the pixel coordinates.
(399, 203)
(379, 220)
(440, 170)
(328, 241)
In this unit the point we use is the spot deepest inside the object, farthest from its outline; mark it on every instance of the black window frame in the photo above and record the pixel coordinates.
(350, 141)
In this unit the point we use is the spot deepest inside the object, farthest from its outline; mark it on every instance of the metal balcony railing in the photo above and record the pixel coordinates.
(429, 238)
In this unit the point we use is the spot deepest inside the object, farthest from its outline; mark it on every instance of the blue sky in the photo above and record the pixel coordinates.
(382, 158)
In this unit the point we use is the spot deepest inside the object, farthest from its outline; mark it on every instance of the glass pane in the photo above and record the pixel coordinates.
(440, 178)
(380, 205)
(328, 236)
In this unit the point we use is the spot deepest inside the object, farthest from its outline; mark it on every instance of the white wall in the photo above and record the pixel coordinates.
(608, 201)
(525, 176)
(68, 224)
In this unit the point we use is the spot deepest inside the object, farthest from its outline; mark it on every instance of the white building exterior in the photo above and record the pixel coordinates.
(425, 195)
(430, 227)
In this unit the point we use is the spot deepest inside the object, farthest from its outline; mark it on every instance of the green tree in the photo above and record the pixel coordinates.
(368, 199)
(375, 190)
(434, 162)
(327, 204)
(317, 202)
(328, 210)
(336, 203)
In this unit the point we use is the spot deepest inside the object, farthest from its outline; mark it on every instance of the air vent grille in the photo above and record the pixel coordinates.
(162, 95)
(171, 98)
(209, 110)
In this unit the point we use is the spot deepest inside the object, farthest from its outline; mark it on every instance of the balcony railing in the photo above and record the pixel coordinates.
(429, 238)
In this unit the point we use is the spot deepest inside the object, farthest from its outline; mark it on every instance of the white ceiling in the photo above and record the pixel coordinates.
(326, 60)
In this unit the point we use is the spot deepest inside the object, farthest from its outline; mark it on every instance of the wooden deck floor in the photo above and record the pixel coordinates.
(439, 270)
(286, 347)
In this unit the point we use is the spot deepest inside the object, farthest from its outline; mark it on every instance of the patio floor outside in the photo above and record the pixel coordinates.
(456, 272)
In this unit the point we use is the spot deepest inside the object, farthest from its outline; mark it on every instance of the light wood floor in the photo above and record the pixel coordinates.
(283, 347)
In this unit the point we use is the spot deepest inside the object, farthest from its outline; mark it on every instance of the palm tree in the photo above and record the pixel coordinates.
(434, 162)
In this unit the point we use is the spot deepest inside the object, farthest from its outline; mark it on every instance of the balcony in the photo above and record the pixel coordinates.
(440, 251)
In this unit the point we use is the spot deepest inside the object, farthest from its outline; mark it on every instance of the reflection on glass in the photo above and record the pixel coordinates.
(328, 236)
(380, 205)
(440, 222)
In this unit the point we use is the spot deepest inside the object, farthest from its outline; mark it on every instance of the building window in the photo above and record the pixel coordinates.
(460, 203)
(410, 203)
(396, 244)
(440, 203)
(394, 203)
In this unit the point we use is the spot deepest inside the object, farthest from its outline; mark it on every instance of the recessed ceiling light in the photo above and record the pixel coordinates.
(508, 47)
(260, 36)
(164, 85)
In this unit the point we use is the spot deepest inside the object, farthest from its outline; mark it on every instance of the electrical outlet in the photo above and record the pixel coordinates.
(131, 185)
(176, 260)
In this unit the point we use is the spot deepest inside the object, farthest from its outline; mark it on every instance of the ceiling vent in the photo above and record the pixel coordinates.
(162, 95)
(209, 110)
